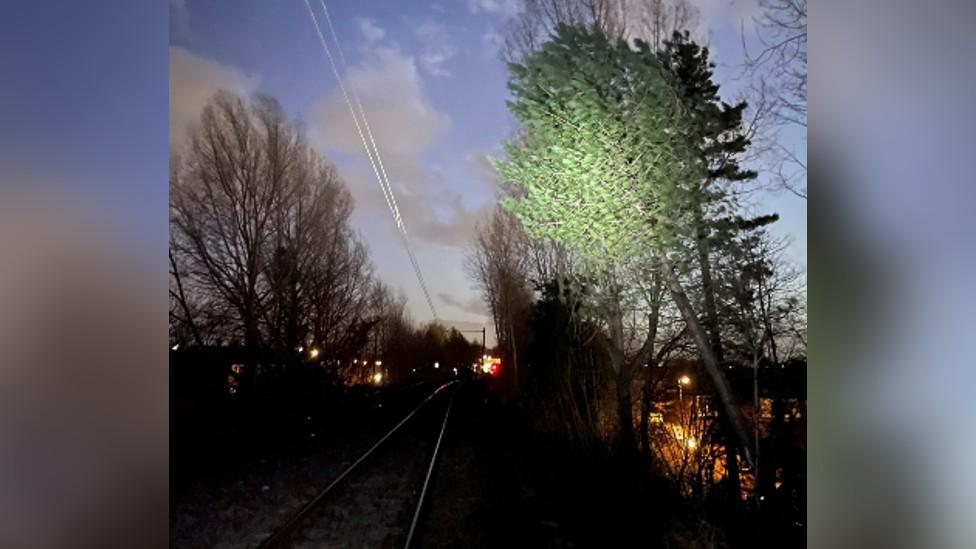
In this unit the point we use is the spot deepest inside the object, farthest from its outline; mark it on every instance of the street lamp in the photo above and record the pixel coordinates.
(683, 381)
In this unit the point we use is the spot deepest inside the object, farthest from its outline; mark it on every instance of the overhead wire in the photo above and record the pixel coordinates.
(372, 151)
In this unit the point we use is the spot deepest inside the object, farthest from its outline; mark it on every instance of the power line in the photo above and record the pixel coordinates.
(385, 180)
(372, 151)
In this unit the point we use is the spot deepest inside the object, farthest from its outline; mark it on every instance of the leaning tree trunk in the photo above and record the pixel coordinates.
(712, 365)
(715, 340)
(708, 289)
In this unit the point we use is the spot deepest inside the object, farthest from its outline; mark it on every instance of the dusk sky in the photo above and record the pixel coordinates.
(434, 89)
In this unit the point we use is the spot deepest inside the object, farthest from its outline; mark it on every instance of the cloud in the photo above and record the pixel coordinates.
(402, 120)
(716, 14)
(493, 42)
(506, 8)
(486, 173)
(437, 48)
(192, 82)
(405, 127)
(475, 305)
(370, 30)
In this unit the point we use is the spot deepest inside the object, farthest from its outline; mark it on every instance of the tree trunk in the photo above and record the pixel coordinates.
(646, 389)
(181, 298)
(715, 342)
(733, 482)
(712, 365)
(645, 416)
(623, 376)
(708, 289)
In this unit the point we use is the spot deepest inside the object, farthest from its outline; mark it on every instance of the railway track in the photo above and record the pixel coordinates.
(378, 500)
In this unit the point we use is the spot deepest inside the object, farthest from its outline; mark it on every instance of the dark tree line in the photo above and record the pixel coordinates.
(263, 257)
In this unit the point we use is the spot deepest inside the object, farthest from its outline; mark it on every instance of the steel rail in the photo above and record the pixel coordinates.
(430, 471)
(285, 530)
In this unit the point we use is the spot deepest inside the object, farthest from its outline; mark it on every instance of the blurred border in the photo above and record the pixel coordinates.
(83, 302)
(891, 249)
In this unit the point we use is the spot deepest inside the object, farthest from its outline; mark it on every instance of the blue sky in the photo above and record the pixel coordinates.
(434, 89)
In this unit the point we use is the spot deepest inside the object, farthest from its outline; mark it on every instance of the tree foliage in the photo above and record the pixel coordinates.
(607, 156)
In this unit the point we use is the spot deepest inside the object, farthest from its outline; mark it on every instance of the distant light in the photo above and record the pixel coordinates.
(175, 347)
(355, 361)
(379, 362)
(762, 498)
(455, 371)
(414, 370)
(692, 443)
(684, 380)
(377, 377)
(313, 353)
(300, 348)
(437, 365)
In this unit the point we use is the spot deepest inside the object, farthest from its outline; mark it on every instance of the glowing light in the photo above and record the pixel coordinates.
(378, 363)
(437, 365)
(313, 353)
(684, 380)
(378, 377)
(175, 347)
(692, 443)
(490, 364)
(300, 348)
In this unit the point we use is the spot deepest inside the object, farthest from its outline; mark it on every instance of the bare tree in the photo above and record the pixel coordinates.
(779, 72)
(261, 236)
(653, 21)
(224, 204)
(499, 264)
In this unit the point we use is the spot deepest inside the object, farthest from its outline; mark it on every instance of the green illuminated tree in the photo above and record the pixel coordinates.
(609, 164)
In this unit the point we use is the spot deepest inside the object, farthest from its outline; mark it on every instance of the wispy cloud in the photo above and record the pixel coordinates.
(474, 305)
(493, 42)
(405, 126)
(193, 80)
(370, 30)
(505, 8)
(437, 48)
